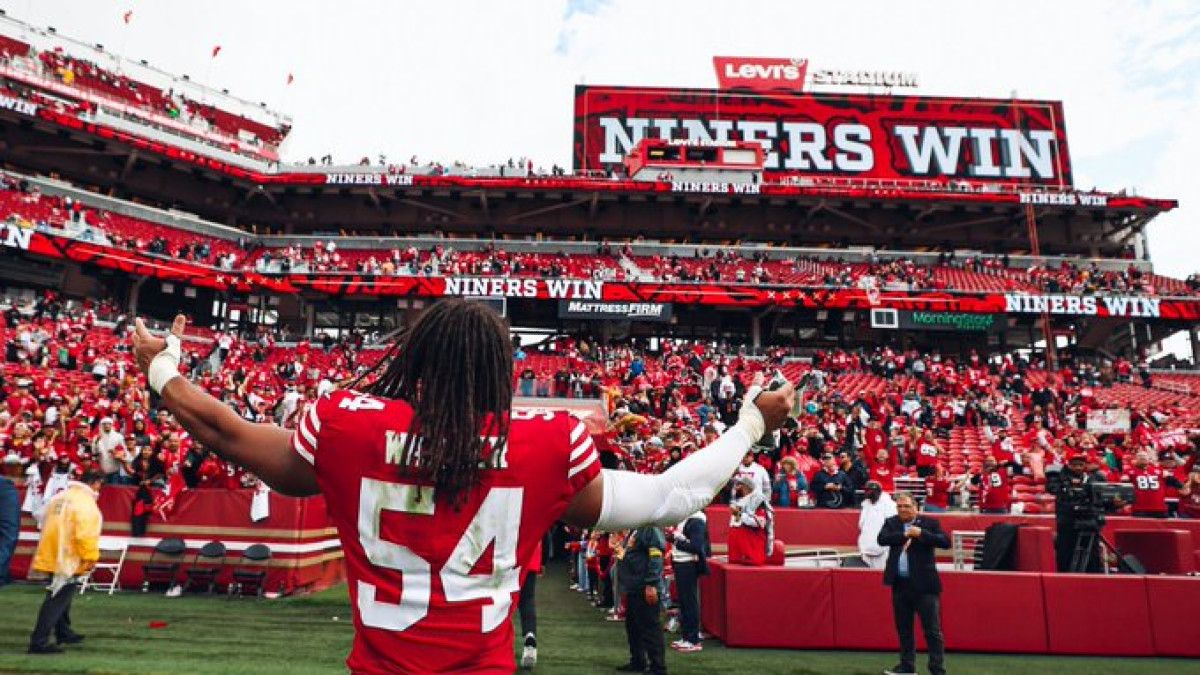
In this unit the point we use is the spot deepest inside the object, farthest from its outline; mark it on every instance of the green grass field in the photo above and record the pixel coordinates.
(301, 635)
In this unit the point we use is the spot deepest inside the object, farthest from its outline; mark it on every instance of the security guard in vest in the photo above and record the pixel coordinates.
(640, 575)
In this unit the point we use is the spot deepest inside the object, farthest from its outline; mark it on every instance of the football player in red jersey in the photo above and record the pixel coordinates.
(1149, 486)
(439, 490)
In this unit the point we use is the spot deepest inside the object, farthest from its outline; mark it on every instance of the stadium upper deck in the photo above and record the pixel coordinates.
(904, 179)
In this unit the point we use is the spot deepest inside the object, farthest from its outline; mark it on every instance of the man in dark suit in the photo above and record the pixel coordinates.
(916, 588)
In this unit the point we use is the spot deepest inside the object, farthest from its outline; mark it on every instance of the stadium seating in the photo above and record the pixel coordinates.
(976, 275)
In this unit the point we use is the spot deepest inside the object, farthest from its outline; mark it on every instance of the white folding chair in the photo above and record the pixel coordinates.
(110, 548)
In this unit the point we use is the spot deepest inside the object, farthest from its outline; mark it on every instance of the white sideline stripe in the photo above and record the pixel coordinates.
(150, 542)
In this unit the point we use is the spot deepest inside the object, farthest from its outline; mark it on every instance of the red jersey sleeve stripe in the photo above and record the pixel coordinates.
(581, 449)
(578, 432)
(589, 460)
(298, 446)
(313, 419)
(309, 438)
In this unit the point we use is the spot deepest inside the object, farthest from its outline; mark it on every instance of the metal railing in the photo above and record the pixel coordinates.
(960, 541)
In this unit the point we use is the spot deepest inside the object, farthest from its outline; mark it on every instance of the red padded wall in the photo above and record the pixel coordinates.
(712, 599)
(862, 611)
(994, 612)
(1173, 603)
(1161, 551)
(1035, 549)
(790, 610)
(1098, 614)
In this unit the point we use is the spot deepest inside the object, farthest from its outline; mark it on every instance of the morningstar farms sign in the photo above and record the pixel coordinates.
(846, 135)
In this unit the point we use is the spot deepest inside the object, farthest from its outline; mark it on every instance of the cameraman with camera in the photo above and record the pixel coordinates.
(1078, 510)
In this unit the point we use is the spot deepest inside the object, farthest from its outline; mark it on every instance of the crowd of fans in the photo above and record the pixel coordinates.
(68, 385)
(441, 259)
(81, 73)
(71, 399)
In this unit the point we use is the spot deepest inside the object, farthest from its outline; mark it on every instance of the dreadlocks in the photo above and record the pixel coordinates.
(454, 367)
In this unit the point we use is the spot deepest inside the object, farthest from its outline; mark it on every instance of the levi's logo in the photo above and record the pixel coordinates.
(750, 71)
(760, 73)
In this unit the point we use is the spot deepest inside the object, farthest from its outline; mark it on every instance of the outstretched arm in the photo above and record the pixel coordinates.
(264, 449)
(618, 500)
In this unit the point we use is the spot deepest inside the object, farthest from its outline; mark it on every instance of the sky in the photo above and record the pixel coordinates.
(484, 81)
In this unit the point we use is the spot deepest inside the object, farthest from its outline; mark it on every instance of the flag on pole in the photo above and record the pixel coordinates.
(128, 16)
(216, 50)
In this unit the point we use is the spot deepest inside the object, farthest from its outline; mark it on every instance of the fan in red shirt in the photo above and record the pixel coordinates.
(995, 487)
(1149, 487)
(928, 455)
(883, 471)
(945, 416)
(937, 490)
(1002, 448)
(439, 490)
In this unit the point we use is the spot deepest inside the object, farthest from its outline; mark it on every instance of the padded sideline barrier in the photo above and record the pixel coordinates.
(1173, 604)
(809, 528)
(1092, 614)
(1161, 551)
(305, 554)
(1035, 549)
(1014, 612)
(796, 610)
(712, 607)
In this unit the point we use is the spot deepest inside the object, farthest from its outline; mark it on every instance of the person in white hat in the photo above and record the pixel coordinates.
(109, 447)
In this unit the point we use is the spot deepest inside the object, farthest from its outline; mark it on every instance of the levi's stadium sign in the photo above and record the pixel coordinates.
(833, 134)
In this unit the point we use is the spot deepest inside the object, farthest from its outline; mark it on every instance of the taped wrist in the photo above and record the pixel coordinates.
(165, 365)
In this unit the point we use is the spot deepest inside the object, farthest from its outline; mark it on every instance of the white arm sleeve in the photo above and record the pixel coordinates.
(633, 499)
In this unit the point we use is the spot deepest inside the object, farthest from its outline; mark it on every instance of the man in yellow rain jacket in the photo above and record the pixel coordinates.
(69, 548)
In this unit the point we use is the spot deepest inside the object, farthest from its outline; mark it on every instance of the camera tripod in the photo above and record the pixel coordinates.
(1087, 544)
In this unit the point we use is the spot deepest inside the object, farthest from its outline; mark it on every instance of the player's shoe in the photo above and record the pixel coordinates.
(900, 669)
(672, 625)
(529, 653)
(685, 647)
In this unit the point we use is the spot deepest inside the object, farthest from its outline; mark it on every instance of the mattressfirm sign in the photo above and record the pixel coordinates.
(621, 311)
(760, 73)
